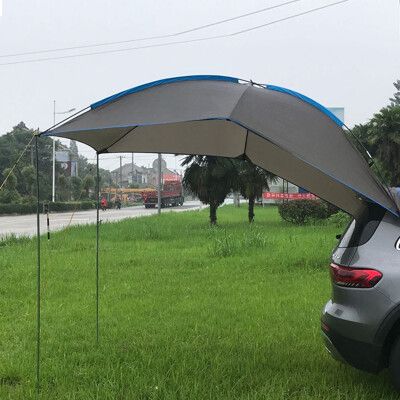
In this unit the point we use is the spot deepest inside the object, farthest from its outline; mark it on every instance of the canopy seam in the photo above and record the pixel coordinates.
(104, 150)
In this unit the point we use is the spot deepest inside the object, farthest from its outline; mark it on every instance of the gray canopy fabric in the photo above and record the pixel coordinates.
(280, 130)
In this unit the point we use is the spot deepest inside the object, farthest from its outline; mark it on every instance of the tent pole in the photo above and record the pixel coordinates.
(97, 244)
(38, 270)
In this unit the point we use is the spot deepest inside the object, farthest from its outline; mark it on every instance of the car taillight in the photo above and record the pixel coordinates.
(355, 277)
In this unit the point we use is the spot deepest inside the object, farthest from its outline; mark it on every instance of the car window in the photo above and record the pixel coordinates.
(361, 230)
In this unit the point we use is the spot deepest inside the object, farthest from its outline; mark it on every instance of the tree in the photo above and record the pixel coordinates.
(76, 184)
(63, 188)
(360, 131)
(88, 184)
(384, 137)
(210, 179)
(13, 143)
(11, 182)
(381, 137)
(252, 181)
(73, 149)
(9, 193)
(28, 180)
(395, 100)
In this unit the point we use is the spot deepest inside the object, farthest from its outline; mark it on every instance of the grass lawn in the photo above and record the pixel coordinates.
(186, 312)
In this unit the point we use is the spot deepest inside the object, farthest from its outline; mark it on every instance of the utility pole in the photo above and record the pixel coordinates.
(53, 190)
(120, 172)
(133, 170)
(159, 184)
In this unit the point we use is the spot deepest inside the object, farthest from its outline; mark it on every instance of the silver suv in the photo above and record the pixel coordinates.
(361, 322)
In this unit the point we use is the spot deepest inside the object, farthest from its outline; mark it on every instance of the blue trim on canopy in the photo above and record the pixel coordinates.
(312, 102)
(215, 78)
(162, 82)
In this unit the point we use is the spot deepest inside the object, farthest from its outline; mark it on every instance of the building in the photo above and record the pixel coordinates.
(128, 174)
(131, 173)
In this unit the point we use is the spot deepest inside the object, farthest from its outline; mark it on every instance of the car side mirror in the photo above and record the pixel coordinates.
(339, 236)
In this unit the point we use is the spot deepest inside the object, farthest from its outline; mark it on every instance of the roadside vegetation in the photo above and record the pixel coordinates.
(187, 311)
(58, 206)
(308, 211)
(381, 137)
(20, 186)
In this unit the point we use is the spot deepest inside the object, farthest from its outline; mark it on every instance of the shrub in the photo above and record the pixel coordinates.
(9, 196)
(30, 208)
(28, 200)
(302, 211)
(71, 206)
(339, 219)
(13, 208)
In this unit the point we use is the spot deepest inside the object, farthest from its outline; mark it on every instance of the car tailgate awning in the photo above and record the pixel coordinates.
(278, 129)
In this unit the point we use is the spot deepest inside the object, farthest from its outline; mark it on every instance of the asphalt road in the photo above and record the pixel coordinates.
(25, 225)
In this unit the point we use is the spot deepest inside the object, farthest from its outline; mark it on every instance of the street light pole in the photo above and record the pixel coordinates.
(53, 188)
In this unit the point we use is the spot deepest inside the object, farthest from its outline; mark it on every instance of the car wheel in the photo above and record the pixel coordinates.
(394, 364)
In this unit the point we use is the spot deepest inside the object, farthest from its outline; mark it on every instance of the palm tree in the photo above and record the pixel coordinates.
(210, 178)
(395, 100)
(252, 181)
(384, 139)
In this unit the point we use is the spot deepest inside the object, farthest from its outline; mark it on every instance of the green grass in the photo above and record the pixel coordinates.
(186, 312)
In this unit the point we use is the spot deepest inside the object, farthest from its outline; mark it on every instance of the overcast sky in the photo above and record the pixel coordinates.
(344, 56)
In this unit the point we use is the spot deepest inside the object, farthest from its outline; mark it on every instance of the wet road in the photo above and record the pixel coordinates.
(25, 225)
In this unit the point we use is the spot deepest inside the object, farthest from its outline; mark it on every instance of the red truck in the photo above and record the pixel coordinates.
(171, 195)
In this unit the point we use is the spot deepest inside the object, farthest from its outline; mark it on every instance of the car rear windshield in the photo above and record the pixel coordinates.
(361, 230)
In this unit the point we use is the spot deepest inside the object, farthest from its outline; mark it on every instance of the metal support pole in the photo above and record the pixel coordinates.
(97, 244)
(159, 183)
(48, 220)
(37, 271)
(53, 189)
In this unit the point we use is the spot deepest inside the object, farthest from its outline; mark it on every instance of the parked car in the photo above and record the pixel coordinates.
(361, 322)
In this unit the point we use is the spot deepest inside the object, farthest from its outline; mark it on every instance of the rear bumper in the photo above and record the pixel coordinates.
(330, 347)
(364, 356)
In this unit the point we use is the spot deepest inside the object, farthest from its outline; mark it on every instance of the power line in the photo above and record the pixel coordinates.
(287, 18)
(293, 16)
(169, 35)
